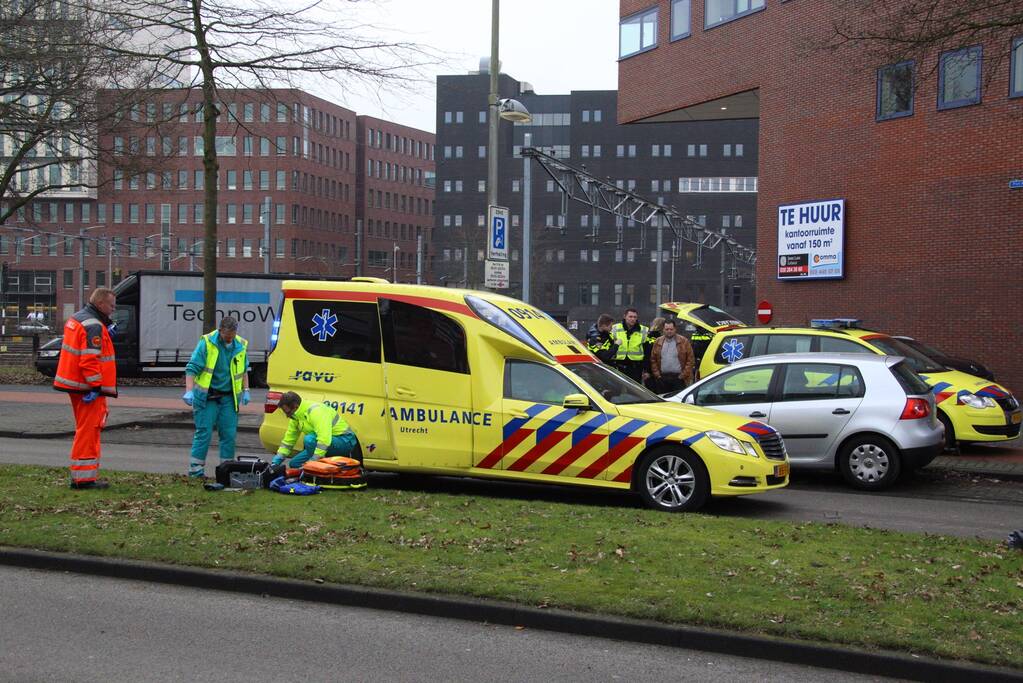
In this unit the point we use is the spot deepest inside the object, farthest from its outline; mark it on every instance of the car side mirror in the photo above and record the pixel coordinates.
(577, 401)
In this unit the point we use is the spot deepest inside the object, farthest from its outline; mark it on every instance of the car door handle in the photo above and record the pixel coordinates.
(757, 413)
(402, 391)
(519, 413)
(839, 411)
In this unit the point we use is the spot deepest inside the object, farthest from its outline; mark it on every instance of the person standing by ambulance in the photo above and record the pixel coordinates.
(87, 371)
(630, 336)
(671, 361)
(216, 386)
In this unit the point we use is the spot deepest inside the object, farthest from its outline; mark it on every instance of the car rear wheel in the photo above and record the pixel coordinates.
(673, 480)
(950, 432)
(870, 462)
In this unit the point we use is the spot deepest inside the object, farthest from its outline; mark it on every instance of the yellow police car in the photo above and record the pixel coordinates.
(971, 408)
(458, 382)
(699, 323)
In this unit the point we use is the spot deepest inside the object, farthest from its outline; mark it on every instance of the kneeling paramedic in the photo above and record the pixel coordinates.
(326, 432)
(216, 385)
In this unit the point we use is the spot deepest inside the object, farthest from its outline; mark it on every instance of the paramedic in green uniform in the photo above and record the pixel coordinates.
(326, 432)
(216, 386)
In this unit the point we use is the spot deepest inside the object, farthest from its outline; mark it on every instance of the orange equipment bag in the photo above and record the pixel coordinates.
(334, 472)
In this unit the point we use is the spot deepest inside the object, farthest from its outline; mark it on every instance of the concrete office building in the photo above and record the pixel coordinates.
(584, 262)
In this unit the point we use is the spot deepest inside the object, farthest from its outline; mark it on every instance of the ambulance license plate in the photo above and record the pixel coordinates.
(1016, 418)
(781, 470)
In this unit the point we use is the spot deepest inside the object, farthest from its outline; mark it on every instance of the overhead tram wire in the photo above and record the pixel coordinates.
(581, 186)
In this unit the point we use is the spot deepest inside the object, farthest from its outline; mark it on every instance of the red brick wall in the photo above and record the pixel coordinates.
(932, 229)
(394, 226)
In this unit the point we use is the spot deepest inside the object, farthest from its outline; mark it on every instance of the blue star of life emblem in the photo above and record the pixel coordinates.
(324, 325)
(732, 350)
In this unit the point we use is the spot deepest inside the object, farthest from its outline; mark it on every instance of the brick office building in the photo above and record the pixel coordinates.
(395, 193)
(931, 225)
(583, 261)
(296, 149)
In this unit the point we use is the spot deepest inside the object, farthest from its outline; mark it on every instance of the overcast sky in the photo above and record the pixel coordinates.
(557, 45)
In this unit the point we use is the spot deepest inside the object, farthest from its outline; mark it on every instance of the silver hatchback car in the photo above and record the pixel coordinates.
(870, 417)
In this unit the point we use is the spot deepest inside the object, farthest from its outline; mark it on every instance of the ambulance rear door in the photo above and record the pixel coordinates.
(427, 385)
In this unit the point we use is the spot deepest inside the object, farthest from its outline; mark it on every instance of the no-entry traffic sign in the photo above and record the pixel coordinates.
(764, 312)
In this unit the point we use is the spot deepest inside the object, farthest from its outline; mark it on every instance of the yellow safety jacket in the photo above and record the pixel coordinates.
(313, 418)
(630, 345)
(237, 366)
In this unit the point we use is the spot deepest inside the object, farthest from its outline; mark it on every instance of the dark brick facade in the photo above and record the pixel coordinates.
(932, 228)
(563, 282)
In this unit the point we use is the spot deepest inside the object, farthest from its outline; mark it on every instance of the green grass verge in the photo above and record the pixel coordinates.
(934, 595)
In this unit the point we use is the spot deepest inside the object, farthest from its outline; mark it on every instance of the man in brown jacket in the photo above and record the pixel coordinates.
(671, 360)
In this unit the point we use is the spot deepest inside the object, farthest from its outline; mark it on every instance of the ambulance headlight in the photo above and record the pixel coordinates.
(975, 401)
(726, 442)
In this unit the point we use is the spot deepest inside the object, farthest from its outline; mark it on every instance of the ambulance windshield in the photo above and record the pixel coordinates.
(613, 386)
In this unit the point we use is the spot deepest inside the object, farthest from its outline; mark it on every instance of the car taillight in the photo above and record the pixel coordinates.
(915, 409)
(272, 399)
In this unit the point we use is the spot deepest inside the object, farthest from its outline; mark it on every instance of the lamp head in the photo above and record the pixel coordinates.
(513, 110)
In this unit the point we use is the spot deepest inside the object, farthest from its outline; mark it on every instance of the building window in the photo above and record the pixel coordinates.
(638, 33)
(895, 91)
(720, 11)
(959, 78)
(680, 18)
(1016, 69)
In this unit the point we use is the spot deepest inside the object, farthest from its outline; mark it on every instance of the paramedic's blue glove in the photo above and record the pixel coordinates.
(90, 396)
(187, 398)
(277, 461)
(246, 398)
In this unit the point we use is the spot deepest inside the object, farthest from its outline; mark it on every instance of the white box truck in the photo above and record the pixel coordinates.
(159, 320)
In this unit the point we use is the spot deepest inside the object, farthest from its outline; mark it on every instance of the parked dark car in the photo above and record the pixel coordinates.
(970, 367)
(48, 357)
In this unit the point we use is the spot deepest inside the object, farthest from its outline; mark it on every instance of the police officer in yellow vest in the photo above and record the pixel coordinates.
(216, 386)
(630, 336)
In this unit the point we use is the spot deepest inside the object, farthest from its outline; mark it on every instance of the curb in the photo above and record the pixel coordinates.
(853, 660)
(136, 424)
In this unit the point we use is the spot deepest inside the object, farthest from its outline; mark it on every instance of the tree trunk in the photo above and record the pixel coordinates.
(210, 170)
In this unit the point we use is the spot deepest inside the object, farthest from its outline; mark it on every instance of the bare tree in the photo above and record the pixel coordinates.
(209, 45)
(891, 31)
(51, 120)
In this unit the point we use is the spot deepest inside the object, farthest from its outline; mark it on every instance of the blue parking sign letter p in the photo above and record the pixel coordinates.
(498, 234)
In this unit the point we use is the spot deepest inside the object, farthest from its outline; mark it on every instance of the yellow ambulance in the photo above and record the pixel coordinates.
(459, 382)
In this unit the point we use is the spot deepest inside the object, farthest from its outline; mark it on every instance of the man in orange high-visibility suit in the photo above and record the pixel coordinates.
(87, 371)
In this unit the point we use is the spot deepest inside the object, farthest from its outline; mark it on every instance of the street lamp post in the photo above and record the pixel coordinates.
(508, 109)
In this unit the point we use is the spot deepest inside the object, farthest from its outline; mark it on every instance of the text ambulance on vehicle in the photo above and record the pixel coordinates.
(466, 383)
(971, 408)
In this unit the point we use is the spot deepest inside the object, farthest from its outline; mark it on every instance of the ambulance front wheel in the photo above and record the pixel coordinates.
(672, 479)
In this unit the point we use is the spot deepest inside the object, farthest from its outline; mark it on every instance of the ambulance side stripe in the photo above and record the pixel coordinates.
(622, 432)
(578, 449)
(661, 434)
(515, 424)
(543, 445)
(494, 456)
(552, 424)
(584, 430)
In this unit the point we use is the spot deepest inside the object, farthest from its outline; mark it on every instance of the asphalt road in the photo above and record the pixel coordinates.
(117, 630)
(934, 503)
